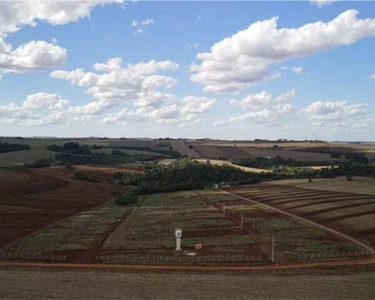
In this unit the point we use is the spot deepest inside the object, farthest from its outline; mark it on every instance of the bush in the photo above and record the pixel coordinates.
(68, 166)
(42, 163)
(129, 197)
(82, 176)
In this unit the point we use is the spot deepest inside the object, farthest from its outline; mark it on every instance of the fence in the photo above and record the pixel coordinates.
(33, 256)
(179, 259)
(332, 254)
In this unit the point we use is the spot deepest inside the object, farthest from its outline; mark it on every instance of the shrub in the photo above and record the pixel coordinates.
(42, 163)
(68, 166)
(82, 176)
(129, 197)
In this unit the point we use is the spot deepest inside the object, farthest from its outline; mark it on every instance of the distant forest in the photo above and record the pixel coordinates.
(6, 147)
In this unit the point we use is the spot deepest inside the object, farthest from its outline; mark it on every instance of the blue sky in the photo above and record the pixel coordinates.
(290, 81)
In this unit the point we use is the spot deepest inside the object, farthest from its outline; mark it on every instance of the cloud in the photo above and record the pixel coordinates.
(193, 46)
(262, 107)
(37, 109)
(244, 58)
(297, 70)
(136, 83)
(140, 26)
(372, 76)
(33, 56)
(185, 111)
(254, 101)
(16, 14)
(321, 3)
(333, 110)
(38, 55)
(44, 100)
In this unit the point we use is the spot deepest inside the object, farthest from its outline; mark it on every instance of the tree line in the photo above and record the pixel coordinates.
(7, 147)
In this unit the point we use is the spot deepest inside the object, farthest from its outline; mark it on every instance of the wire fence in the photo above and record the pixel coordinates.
(32, 256)
(179, 259)
(332, 254)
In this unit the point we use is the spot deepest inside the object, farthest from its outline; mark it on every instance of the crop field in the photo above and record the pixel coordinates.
(358, 185)
(151, 227)
(292, 237)
(350, 213)
(82, 232)
(92, 284)
(32, 200)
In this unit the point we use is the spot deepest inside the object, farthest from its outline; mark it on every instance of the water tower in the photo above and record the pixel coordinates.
(178, 235)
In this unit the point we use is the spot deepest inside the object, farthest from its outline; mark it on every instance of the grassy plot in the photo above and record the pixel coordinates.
(80, 232)
(292, 237)
(295, 237)
(152, 225)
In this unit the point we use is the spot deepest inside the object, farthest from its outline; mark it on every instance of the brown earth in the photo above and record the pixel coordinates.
(31, 200)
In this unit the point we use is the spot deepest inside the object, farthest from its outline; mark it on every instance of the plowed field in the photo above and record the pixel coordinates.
(31, 200)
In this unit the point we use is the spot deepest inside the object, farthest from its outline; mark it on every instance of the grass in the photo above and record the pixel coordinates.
(295, 237)
(292, 237)
(19, 158)
(152, 225)
(80, 232)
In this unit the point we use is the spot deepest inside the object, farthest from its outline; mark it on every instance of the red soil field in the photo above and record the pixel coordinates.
(31, 200)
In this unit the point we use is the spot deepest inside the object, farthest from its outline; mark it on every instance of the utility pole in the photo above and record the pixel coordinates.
(273, 250)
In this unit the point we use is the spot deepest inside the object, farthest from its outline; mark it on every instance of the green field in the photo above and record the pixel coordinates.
(292, 237)
(152, 225)
(84, 231)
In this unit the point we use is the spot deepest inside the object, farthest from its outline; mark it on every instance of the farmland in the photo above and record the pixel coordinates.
(151, 227)
(85, 231)
(34, 199)
(91, 284)
(351, 213)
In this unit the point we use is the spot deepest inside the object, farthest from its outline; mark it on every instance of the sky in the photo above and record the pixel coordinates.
(181, 69)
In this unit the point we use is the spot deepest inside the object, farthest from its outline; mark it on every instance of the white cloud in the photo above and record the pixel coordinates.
(254, 101)
(37, 109)
(140, 26)
(186, 111)
(113, 64)
(193, 46)
(322, 3)
(16, 14)
(297, 70)
(262, 107)
(333, 110)
(286, 96)
(44, 100)
(33, 56)
(242, 59)
(372, 76)
(38, 55)
(136, 83)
